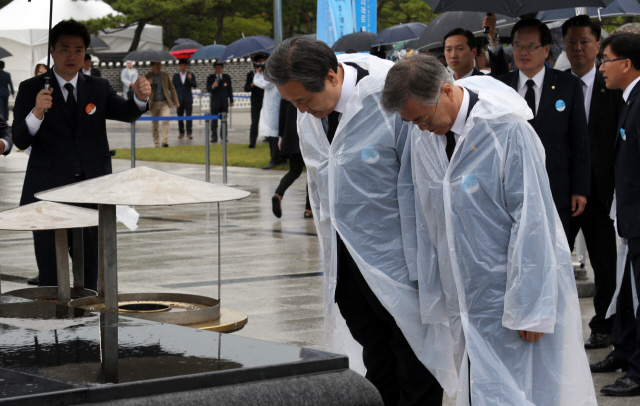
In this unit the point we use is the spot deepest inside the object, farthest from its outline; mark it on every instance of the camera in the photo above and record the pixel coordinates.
(258, 65)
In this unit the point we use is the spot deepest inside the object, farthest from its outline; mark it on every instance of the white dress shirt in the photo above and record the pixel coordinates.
(86, 71)
(33, 122)
(183, 77)
(629, 88)
(465, 76)
(348, 86)
(537, 88)
(588, 79)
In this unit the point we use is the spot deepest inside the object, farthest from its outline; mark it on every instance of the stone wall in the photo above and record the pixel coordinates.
(237, 71)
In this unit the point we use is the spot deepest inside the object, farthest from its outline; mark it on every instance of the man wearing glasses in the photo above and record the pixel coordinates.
(621, 70)
(557, 102)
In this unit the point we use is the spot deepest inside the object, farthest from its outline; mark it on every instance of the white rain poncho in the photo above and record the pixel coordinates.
(353, 187)
(503, 259)
(270, 112)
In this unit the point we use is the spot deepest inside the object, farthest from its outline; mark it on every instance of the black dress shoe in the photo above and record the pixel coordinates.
(597, 340)
(214, 141)
(622, 387)
(252, 145)
(610, 364)
(34, 281)
(165, 145)
(268, 166)
(275, 206)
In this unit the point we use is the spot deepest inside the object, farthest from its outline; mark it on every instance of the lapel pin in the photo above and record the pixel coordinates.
(553, 87)
(602, 90)
(90, 109)
(560, 105)
(623, 134)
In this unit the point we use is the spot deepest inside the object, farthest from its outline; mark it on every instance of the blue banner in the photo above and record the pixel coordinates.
(341, 17)
(365, 15)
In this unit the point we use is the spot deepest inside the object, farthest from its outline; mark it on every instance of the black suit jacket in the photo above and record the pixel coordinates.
(6, 86)
(257, 93)
(95, 72)
(58, 151)
(604, 111)
(627, 167)
(224, 90)
(184, 90)
(5, 134)
(564, 134)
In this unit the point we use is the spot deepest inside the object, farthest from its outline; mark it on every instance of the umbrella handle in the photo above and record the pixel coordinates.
(47, 86)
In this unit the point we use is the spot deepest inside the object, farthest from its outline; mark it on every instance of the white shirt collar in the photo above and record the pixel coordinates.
(465, 76)
(63, 82)
(458, 125)
(537, 79)
(348, 86)
(627, 91)
(86, 71)
(588, 77)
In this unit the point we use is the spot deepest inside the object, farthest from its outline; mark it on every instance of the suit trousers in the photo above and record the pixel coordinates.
(392, 366)
(218, 105)
(626, 325)
(45, 249)
(274, 151)
(4, 107)
(160, 109)
(188, 109)
(255, 120)
(600, 236)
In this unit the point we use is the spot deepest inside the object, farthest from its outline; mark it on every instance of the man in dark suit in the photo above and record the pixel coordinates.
(460, 51)
(602, 106)
(6, 88)
(621, 70)
(69, 141)
(184, 81)
(257, 94)
(557, 102)
(219, 86)
(5, 137)
(89, 70)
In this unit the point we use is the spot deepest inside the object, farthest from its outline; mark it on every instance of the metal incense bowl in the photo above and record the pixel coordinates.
(49, 293)
(171, 308)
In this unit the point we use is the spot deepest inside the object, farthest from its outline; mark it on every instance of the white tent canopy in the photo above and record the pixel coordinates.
(120, 41)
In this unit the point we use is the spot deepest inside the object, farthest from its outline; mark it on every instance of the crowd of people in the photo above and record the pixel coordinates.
(447, 196)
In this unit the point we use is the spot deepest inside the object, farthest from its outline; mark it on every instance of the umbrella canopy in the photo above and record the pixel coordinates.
(617, 8)
(149, 55)
(209, 52)
(246, 46)
(397, 33)
(633, 28)
(97, 44)
(183, 40)
(358, 41)
(434, 33)
(4, 53)
(47, 216)
(512, 8)
(185, 49)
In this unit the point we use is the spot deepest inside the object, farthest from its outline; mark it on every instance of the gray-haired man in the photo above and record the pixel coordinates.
(503, 264)
(352, 150)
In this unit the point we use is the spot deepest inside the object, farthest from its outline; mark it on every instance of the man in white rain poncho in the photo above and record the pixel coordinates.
(352, 150)
(269, 117)
(503, 263)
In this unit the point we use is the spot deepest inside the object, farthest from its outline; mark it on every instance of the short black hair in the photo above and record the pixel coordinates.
(218, 64)
(1, 64)
(582, 21)
(625, 45)
(545, 33)
(69, 27)
(260, 55)
(87, 57)
(471, 39)
(183, 61)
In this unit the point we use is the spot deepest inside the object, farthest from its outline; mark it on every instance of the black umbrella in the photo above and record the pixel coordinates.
(97, 44)
(436, 30)
(358, 41)
(149, 55)
(617, 8)
(246, 46)
(209, 52)
(512, 8)
(4, 53)
(397, 33)
(183, 40)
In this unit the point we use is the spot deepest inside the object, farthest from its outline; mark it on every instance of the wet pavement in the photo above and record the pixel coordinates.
(270, 267)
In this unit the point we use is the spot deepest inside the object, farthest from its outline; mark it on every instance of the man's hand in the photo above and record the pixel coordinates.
(280, 143)
(1, 147)
(530, 336)
(578, 203)
(176, 105)
(43, 101)
(142, 88)
(231, 104)
(215, 84)
(490, 21)
(189, 75)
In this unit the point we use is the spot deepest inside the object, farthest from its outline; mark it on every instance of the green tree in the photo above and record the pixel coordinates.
(394, 12)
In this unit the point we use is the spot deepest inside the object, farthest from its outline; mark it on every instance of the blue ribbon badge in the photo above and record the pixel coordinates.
(560, 105)
(623, 134)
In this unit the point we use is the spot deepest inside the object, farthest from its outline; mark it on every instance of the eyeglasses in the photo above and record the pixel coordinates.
(529, 48)
(407, 122)
(604, 61)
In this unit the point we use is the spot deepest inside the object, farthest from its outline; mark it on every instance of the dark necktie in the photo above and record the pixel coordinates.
(71, 102)
(451, 144)
(530, 98)
(333, 119)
